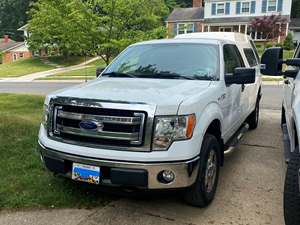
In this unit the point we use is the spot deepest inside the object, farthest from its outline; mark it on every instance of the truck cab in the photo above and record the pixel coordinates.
(160, 116)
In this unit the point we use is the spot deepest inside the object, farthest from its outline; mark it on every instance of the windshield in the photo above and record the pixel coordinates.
(167, 61)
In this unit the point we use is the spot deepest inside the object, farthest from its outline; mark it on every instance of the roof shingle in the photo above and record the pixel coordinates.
(186, 14)
(10, 44)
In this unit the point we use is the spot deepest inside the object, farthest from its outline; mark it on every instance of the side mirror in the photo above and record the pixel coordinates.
(241, 76)
(293, 62)
(291, 73)
(271, 62)
(99, 71)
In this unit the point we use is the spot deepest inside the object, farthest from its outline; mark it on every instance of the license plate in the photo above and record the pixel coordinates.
(86, 173)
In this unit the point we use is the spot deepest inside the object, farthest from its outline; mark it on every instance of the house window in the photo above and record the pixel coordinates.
(225, 29)
(185, 28)
(21, 55)
(15, 57)
(272, 5)
(220, 8)
(245, 7)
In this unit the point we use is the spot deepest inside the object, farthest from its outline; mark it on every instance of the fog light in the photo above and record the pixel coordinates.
(166, 176)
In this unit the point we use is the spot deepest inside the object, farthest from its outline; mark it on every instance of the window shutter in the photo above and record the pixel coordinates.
(264, 6)
(279, 5)
(227, 8)
(175, 29)
(213, 9)
(253, 6)
(238, 8)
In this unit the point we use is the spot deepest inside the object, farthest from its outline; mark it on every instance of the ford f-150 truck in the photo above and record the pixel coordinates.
(290, 123)
(160, 116)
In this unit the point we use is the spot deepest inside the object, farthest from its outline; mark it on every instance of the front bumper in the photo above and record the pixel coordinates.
(124, 174)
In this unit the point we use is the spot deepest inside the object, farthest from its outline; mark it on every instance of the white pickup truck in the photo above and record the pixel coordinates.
(290, 122)
(160, 116)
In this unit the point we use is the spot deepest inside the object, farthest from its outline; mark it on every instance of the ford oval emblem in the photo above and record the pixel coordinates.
(88, 125)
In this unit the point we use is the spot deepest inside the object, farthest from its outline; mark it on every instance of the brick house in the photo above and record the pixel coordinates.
(12, 51)
(186, 20)
(228, 16)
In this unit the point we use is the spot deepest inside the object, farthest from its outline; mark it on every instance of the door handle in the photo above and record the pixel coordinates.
(286, 81)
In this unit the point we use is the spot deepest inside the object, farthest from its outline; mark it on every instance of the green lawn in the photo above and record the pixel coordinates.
(33, 65)
(286, 54)
(25, 183)
(23, 67)
(87, 73)
(67, 61)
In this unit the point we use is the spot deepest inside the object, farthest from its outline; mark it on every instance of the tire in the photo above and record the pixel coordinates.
(292, 192)
(202, 192)
(253, 118)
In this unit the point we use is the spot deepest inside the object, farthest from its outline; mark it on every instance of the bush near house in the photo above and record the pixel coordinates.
(288, 42)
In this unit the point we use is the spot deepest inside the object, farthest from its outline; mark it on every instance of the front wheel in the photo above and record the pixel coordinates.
(202, 192)
(292, 191)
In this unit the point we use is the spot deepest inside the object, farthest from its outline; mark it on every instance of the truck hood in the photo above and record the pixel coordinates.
(166, 94)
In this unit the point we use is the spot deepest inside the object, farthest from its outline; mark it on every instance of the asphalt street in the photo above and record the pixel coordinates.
(272, 94)
(249, 192)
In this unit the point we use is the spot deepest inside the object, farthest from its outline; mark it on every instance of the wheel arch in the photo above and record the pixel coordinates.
(215, 129)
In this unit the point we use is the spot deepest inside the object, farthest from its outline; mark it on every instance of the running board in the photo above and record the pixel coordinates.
(286, 143)
(235, 139)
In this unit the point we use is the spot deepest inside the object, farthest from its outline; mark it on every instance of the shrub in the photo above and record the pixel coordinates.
(288, 42)
(259, 46)
(269, 45)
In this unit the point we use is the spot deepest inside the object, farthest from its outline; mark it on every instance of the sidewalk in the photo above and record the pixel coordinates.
(34, 76)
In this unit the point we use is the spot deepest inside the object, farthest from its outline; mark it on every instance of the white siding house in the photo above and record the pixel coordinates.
(231, 16)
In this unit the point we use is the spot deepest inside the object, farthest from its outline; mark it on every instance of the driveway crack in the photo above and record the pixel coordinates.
(258, 145)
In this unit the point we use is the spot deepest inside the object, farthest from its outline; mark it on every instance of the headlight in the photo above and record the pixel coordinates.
(45, 115)
(172, 128)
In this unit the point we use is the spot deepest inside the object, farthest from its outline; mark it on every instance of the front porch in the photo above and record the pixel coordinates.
(246, 29)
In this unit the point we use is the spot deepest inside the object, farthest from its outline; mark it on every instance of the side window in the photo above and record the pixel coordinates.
(250, 57)
(232, 58)
(255, 50)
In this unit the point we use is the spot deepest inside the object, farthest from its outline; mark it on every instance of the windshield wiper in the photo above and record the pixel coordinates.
(198, 77)
(118, 74)
(170, 76)
(185, 77)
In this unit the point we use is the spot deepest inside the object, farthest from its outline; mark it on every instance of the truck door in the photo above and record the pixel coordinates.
(288, 95)
(250, 90)
(233, 110)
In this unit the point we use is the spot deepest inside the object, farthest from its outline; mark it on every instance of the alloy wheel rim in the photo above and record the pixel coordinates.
(211, 171)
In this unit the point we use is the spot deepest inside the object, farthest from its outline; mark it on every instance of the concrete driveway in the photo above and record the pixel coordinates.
(249, 192)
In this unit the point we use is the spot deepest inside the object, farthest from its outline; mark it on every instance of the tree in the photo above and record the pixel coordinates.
(67, 25)
(171, 4)
(288, 42)
(268, 25)
(13, 15)
(123, 22)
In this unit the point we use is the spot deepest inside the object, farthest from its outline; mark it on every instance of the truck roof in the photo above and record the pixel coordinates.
(204, 38)
(174, 41)
(221, 36)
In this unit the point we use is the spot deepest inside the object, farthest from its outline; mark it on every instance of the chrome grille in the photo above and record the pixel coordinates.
(119, 129)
